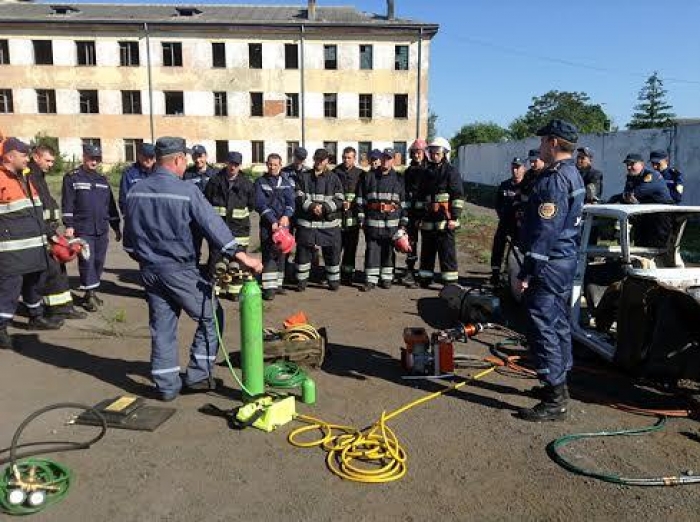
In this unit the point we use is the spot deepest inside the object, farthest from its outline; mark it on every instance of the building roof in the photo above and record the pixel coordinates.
(200, 14)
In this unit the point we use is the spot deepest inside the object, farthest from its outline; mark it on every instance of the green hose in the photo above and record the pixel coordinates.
(284, 375)
(555, 445)
(49, 473)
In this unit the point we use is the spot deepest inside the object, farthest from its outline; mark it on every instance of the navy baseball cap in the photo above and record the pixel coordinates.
(11, 144)
(234, 157)
(92, 151)
(658, 155)
(633, 157)
(560, 129)
(375, 154)
(301, 153)
(321, 154)
(533, 154)
(585, 151)
(388, 152)
(517, 161)
(198, 150)
(148, 150)
(170, 145)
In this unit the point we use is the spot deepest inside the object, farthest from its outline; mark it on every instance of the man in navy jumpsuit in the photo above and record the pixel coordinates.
(551, 238)
(141, 168)
(672, 176)
(89, 210)
(161, 213)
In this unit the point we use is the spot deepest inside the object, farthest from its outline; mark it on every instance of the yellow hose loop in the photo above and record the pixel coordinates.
(373, 455)
(300, 332)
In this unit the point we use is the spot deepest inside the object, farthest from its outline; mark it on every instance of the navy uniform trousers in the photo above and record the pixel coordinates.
(91, 269)
(11, 287)
(168, 294)
(549, 327)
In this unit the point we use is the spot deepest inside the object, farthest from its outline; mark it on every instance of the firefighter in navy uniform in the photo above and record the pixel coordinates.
(274, 201)
(232, 195)
(592, 177)
(672, 176)
(506, 206)
(319, 203)
(199, 174)
(381, 206)
(413, 176)
(22, 242)
(349, 174)
(296, 167)
(58, 300)
(551, 239)
(161, 212)
(89, 210)
(140, 169)
(524, 189)
(442, 195)
(647, 186)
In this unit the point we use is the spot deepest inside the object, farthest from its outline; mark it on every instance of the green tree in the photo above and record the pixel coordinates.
(432, 125)
(574, 107)
(478, 132)
(652, 111)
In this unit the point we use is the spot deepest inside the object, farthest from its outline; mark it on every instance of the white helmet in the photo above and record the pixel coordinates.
(441, 142)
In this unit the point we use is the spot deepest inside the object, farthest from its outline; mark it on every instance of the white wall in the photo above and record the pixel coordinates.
(489, 163)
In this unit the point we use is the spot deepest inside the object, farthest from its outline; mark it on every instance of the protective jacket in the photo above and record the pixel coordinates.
(349, 178)
(381, 204)
(314, 191)
(233, 200)
(88, 203)
(442, 196)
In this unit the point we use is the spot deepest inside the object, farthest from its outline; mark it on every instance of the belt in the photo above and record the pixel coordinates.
(382, 207)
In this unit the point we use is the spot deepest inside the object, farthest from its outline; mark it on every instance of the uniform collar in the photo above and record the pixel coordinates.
(164, 172)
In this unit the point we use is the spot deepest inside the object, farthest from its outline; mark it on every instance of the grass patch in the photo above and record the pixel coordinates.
(476, 236)
(482, 195)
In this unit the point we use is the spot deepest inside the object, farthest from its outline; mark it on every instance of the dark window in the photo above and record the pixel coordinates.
(291, 56)
(220, 104)
(129, 54)
(43, 52)
(255, 55)
(330, 105)
(366, 58)
(401, 58)
(363, 149)
(400, 105)
(172, 54)
(174, 103)
(131, 102)
(4, 53)
(86, 53)
(256, 104)
(46, 101)
(291, 145)
(88, 102)
(332, 148)
(218, 51)
(292, 105)
(131, 148)
(6, 105)
(258, 148)
(96, 142)
(366, 106)
(400, 149)
(221, 151)
(330, 56)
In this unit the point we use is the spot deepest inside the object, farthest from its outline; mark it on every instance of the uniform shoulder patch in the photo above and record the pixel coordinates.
(547, 210)
(648, 178)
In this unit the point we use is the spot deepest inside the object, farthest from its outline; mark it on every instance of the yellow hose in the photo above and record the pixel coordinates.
(300, 332)
(373, 454)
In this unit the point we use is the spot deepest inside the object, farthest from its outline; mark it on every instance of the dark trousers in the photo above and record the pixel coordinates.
(55, 288)
(11, 287)
(91, 269)
(549, 327)
(350, 238)
(379, 260)
(439, 243)
(500, 240)
(412, 231)
(331, 258)
(274, 263)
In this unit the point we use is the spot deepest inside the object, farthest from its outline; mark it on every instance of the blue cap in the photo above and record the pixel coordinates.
(658, 155)
(11, 144)
(198, 150)
(169, 145)
(533, 154)
(92, 151)
(560, 129)
(375, 154)
(301, 153)
(518, 161)
(388, 152)
(633, 157)
(234, 157)
(148, 150)
(585, 151)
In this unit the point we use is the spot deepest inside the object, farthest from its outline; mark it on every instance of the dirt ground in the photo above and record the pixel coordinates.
(468, 457)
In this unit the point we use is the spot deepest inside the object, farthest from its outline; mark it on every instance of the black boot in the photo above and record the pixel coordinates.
(301, 286)
(5, 340)
(346, 279)
(552, 407)
(367, 287)
(540, 392)
(44, 323)
(97, 299)
(67, 313)
(89, 301)
(334, 286)
(409, 279)
(495, 278)
(385, 284)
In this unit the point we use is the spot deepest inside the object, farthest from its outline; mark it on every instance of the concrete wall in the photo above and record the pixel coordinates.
(490, 163)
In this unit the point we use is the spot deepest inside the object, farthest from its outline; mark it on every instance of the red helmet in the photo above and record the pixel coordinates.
(419, 144)
(283, 240)
(64, 250)
(401, 242)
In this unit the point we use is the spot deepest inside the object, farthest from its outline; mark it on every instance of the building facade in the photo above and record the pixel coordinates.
(253, 79)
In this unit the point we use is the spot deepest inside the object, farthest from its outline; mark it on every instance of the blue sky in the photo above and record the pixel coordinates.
(491, 57)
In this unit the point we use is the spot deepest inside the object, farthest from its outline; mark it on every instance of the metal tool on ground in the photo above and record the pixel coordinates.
(128, 413)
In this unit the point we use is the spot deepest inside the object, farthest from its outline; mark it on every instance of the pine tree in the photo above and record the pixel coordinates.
(653, 110)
